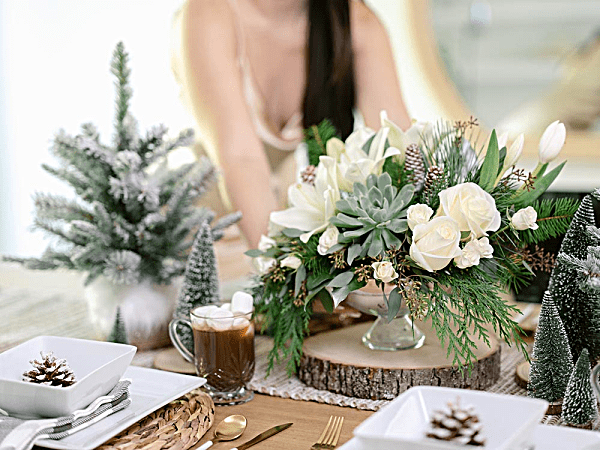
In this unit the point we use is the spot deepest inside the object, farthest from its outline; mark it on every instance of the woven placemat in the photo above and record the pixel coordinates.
(177, 426)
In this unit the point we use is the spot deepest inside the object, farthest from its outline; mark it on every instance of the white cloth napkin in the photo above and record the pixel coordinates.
(19, 434)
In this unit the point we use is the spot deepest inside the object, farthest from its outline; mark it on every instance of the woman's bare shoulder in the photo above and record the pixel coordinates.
(367, 29)
(211, 15)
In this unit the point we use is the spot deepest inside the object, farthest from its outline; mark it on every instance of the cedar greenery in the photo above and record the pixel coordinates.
(460, 303)
(133, 218)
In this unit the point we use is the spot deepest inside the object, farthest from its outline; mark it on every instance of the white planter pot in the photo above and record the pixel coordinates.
(146, 309)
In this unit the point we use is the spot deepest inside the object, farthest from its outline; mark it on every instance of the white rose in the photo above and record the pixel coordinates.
(291, 261)
(265, 243)
(328, 239)
(384, 271)
(418, 214)
(473, 209)
(552, 141)
(435, 243)
(264, 264)
(524, 219)
(473, 252)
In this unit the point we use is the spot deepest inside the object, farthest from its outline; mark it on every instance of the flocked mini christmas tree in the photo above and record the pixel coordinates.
(201, 283)
(134, 217)
(579, 407)
(551, 362)
(118, 334)
(579, 309)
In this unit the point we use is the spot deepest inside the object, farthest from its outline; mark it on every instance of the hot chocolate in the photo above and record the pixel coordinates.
(225, 357)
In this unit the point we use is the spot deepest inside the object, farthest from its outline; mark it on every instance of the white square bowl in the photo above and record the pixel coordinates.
(508, 421)
(97, 366)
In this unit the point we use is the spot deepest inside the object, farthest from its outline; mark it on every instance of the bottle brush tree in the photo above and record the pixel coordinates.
(551, 362)
(579, 406)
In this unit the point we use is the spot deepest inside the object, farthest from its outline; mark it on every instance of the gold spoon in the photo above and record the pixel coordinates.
(230, 428)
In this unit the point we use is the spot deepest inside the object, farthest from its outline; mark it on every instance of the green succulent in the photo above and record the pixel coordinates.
(372, 216)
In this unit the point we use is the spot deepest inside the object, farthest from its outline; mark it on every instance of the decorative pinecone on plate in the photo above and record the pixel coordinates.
(456, 424)
(50, 371)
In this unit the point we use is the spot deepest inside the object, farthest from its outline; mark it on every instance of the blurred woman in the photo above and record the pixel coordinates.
(256, 72)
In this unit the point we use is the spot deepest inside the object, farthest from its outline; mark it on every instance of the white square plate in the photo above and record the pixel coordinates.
(508, 421)
(545, 437)
(97, 367)
(150, 389)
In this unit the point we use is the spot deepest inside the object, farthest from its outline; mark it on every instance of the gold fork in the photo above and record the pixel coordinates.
(330, 435)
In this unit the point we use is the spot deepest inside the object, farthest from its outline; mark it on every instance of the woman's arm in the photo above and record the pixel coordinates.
(377, 85)
(215, 87)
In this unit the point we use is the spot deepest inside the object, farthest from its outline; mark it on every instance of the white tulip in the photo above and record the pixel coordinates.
(418, 214)
(513, 153)
(328, 239)
(552, 141)
(291, 261)
(524, 219)
(384, 271)
(402, 139)
(502, 139)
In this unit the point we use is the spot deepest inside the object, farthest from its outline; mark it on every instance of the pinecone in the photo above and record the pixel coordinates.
(456, 424)
(50, 371)
(413, 164)
(308, 175)
(435, 182)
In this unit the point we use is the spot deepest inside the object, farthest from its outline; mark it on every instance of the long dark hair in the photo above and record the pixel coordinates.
(330, 86)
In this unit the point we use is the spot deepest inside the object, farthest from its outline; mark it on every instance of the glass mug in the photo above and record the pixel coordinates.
(223, 351)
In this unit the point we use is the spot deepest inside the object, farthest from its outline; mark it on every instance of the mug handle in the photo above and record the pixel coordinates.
(595, 381)
(176, 340)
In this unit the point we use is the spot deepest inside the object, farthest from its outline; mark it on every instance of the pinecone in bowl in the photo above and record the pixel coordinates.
(50, 370)
(457, 424)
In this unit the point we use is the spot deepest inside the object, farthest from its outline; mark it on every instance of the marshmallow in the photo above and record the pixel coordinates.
(242, 302)
(226, 306)
(240, 322)
(220, 320)
(200, 314)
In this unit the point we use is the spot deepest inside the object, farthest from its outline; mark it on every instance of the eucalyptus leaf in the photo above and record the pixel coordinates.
(315, 280)
(300, 277)
(394, 302)
(253, 253)
(326, 301)
(292, 232)
(341, 280)
(334, 248)
(353, 251)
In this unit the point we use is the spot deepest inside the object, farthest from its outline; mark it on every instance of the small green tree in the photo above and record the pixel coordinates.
(551, 362)
(201, 282)
(118, 334)
(579, 309)
(579, 406)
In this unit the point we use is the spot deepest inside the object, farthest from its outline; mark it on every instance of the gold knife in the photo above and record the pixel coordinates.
(262, 436)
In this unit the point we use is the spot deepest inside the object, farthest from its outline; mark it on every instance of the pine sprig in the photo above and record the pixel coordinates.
(121, 71)
(316, 138)
(553, 219)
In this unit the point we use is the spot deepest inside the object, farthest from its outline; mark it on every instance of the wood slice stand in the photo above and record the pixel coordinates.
(338, 361)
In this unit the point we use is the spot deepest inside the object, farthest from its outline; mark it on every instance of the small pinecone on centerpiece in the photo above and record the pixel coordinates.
(413, 163)
(50, 371)
(435, 182)
(456, 424)
(308, 175)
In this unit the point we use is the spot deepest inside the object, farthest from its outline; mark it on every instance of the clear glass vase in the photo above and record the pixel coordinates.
(398, 334)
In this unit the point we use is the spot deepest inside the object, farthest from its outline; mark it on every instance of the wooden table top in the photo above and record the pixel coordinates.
(309, 419)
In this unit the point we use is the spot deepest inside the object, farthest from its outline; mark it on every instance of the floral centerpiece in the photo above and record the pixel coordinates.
(438, 225)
